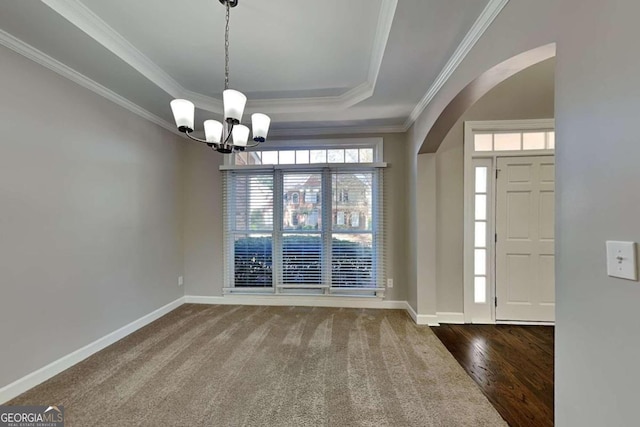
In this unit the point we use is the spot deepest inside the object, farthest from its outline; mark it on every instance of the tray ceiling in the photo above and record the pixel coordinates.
(309, 64)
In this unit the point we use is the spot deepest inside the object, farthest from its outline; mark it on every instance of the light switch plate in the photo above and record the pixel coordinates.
(621, 260)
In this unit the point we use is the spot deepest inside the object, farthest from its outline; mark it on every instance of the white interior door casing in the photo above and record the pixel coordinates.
(525, 257)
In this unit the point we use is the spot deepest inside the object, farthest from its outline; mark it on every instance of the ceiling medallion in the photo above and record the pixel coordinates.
(230, 135)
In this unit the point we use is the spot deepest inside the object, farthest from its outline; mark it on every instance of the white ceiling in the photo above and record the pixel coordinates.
(264, 36)
(333, 64)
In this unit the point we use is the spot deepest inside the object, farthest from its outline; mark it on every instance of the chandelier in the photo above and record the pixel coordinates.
(230, 135)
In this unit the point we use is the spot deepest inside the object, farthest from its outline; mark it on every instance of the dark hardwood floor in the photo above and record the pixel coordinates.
(513, 365)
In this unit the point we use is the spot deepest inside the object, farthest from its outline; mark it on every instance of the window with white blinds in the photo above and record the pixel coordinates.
(249, 225)
(312, 231)
(352, 237)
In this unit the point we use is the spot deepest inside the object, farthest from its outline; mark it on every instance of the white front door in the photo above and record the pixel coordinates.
(525, 260)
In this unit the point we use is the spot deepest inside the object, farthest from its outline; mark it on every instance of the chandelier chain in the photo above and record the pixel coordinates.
(226, 50)
(218, 135)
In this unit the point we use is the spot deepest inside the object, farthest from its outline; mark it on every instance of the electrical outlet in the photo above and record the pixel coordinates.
(389, 283)
(180, 281)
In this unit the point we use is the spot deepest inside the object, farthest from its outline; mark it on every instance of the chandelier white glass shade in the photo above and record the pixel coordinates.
(229, 135)
(213, 131)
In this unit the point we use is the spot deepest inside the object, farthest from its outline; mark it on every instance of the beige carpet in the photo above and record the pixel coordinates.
(271, 366)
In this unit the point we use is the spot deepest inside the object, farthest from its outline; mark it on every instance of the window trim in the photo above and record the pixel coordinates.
(314, 144)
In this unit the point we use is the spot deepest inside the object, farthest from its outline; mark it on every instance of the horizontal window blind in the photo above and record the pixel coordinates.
(252, 202)
(301, 259)
(301, 263)
(353, 259)
(253, 260)
(249, 229)
(317, 230)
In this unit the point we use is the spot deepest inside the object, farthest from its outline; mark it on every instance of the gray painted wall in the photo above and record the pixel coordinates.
(598, 173)
(203, 231)
(412, 225)
(426, 237)
(527, 95)
(396, 200)
(90, 217)
(204, 266)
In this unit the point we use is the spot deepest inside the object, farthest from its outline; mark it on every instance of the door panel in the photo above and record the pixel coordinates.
(519, 273)
(525, 259)
(518, 207)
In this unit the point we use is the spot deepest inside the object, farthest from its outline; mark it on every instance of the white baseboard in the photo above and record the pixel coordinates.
(421, 319)
(519, 323)
(297, 300)
(411, 311)
(315, 301)
(450, 318)
(428, 319)
(31, 380)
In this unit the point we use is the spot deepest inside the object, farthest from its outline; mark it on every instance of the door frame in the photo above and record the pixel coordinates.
(485, 312)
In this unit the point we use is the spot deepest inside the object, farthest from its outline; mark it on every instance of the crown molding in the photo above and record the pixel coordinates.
(311, 105)
(45, 60)
(347, 130)
(87, 21)
(82, 17)
(486, 18)
(383, 30)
